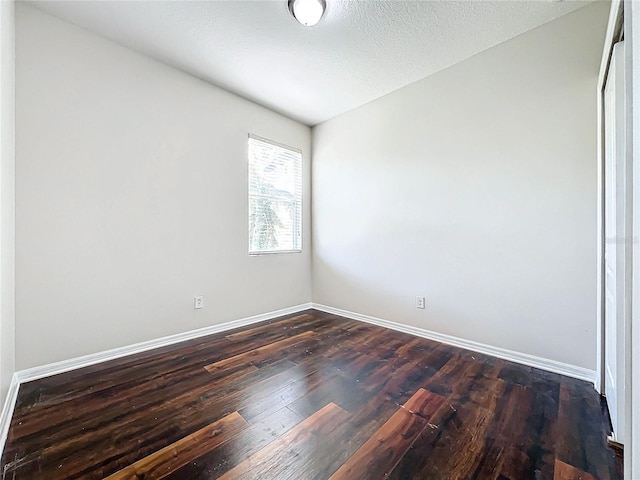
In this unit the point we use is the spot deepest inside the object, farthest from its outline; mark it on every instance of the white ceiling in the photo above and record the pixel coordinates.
(360, 50)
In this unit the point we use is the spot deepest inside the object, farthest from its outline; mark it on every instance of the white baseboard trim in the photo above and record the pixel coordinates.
(63, 366)
(523, 358)
(35, 373)
(7, 410)
(50, 369)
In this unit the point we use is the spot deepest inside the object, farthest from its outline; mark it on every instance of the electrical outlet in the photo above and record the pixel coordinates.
(420, 302)
(198, 302)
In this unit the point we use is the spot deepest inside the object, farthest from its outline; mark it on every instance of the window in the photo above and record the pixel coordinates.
(275, 197)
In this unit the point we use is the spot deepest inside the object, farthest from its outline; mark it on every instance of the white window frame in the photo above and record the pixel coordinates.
(298, 199)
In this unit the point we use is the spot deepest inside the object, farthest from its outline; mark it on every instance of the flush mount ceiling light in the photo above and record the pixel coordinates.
(307, 12)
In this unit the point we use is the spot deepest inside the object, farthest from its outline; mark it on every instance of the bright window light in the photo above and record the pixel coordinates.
(275, 197)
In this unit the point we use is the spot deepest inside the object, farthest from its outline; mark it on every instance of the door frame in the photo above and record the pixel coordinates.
(625, 13)
(614, 31)
(632, 87)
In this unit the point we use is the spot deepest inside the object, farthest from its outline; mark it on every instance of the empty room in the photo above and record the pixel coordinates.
(320, 239)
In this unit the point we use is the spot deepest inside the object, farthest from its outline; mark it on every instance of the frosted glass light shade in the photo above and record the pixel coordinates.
(307, 12)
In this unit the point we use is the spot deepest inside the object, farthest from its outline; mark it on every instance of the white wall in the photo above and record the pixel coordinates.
(475, 187)
(7, 178)
(131, 198)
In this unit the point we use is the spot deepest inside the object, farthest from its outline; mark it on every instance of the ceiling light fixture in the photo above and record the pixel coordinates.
(307, 12)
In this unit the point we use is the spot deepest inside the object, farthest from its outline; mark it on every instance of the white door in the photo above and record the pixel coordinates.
(616, 249)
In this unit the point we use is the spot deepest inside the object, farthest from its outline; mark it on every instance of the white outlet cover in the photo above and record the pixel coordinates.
(198, 302)
(420, 303)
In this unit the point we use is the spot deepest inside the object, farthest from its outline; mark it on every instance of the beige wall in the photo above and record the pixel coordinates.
(131, 198)
(7, 178)
(475, 187)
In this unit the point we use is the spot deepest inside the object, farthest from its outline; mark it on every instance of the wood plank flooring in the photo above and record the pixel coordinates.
(304, 397)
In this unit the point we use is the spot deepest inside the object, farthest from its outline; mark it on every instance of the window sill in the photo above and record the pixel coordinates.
(272, 252)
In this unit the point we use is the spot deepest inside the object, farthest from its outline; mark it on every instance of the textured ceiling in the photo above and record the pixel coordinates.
(358, 52)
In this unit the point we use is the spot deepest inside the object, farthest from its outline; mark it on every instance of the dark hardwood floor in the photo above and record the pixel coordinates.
(309, 396)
